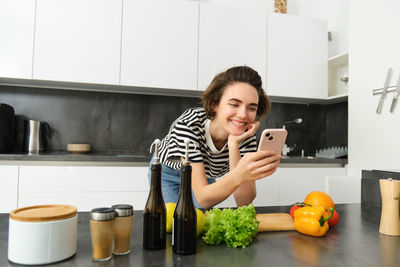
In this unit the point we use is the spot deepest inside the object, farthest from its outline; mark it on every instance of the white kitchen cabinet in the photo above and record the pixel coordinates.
(338, 17)
(9, 188)
(267, 191)
(230, 36)
(267, 194)
(159, 44)
(227, 203)
(297, 58)
(78, 41)
(344, 189)
(296, 183)
(85, 187)
(289, 185)
(17, 21)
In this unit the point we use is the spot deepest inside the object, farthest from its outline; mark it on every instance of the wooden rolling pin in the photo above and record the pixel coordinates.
(275, 222)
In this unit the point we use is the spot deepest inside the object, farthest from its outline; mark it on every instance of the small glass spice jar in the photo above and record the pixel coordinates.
(122, 228)
(102, 233)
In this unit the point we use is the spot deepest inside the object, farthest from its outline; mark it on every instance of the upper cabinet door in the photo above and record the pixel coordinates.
(78, 41)
(297, 57)
(17, 20)
(159, 44)
(230, 36)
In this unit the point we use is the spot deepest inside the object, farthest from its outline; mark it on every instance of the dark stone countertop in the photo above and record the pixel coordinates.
(355, 241)
(134, 157)
(74, 157)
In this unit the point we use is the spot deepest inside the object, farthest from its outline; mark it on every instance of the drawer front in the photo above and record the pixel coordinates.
(8, 188)
(82, 179)
(85, 201)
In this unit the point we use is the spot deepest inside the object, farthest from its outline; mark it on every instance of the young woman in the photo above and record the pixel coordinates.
(223, 131)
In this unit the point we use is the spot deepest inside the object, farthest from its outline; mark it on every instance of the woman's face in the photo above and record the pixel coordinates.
(237, 108)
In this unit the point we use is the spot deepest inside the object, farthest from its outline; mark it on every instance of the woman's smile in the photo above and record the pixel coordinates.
(238, 123)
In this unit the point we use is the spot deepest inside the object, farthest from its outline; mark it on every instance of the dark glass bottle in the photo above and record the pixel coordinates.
(154, 214)
(184, 226)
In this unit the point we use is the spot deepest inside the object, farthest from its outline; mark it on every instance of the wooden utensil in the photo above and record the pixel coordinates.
(390, 223)
(275, 222)
(78, 148)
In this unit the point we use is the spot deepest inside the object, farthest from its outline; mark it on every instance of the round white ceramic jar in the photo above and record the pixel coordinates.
(42, 234)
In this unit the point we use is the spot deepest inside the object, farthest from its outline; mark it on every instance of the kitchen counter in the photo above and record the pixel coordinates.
(67, 156)
(355, 241)
(96, 158)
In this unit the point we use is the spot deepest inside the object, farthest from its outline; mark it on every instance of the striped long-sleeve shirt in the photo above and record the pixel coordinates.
(195, 125)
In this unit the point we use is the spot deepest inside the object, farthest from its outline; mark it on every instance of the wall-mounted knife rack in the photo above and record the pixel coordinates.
(387, 89)
(378, 91)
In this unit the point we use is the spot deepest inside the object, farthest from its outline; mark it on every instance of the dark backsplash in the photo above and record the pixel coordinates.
(116, 122)
(323, 125)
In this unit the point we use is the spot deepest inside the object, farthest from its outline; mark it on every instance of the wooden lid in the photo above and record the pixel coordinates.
(43, 213)
(78, 148)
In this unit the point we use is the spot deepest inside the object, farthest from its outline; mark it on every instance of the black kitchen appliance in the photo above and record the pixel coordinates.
(7, 128)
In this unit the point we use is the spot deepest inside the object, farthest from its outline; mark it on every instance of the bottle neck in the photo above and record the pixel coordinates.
(155, 177)
(186, 182)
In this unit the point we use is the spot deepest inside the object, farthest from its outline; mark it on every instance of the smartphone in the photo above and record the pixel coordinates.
(272, 139)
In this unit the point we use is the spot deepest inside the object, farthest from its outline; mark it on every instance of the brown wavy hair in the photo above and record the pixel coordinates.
(212, 95)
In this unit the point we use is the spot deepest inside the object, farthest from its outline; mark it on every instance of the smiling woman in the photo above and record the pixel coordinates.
(223, 132)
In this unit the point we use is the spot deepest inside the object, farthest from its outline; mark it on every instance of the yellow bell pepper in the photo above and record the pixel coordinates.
(310, 220)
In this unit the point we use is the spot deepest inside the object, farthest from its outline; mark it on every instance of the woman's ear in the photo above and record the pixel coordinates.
(214, 107)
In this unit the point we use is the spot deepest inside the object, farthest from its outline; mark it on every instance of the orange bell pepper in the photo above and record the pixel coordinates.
(311, 221)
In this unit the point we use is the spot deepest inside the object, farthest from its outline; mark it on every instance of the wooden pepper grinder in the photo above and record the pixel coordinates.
(390, 223)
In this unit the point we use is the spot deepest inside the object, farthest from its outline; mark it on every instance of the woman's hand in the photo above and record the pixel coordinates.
(236, 139)
(257, 165)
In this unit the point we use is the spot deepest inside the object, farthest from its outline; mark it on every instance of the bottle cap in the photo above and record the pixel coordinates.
(156, 145)
(102, 214)
(187, 142)
(123, 210)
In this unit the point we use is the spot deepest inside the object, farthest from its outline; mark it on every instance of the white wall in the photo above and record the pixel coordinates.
(374, 46)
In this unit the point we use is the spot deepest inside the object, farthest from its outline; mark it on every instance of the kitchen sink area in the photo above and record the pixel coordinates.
(298, 157)
(312, 160)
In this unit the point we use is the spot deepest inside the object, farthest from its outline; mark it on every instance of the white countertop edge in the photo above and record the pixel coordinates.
(73, 163)
(144, 164)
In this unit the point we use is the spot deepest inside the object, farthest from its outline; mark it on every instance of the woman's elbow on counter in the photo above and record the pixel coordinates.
(244, 200)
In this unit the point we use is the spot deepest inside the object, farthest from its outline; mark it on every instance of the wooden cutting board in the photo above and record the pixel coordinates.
(275, 222)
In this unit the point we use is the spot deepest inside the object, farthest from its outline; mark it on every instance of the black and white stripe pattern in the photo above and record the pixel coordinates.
(191, 124)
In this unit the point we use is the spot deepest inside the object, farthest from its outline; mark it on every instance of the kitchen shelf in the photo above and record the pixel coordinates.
(338, 60)
(338, 68)
(337, 98)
